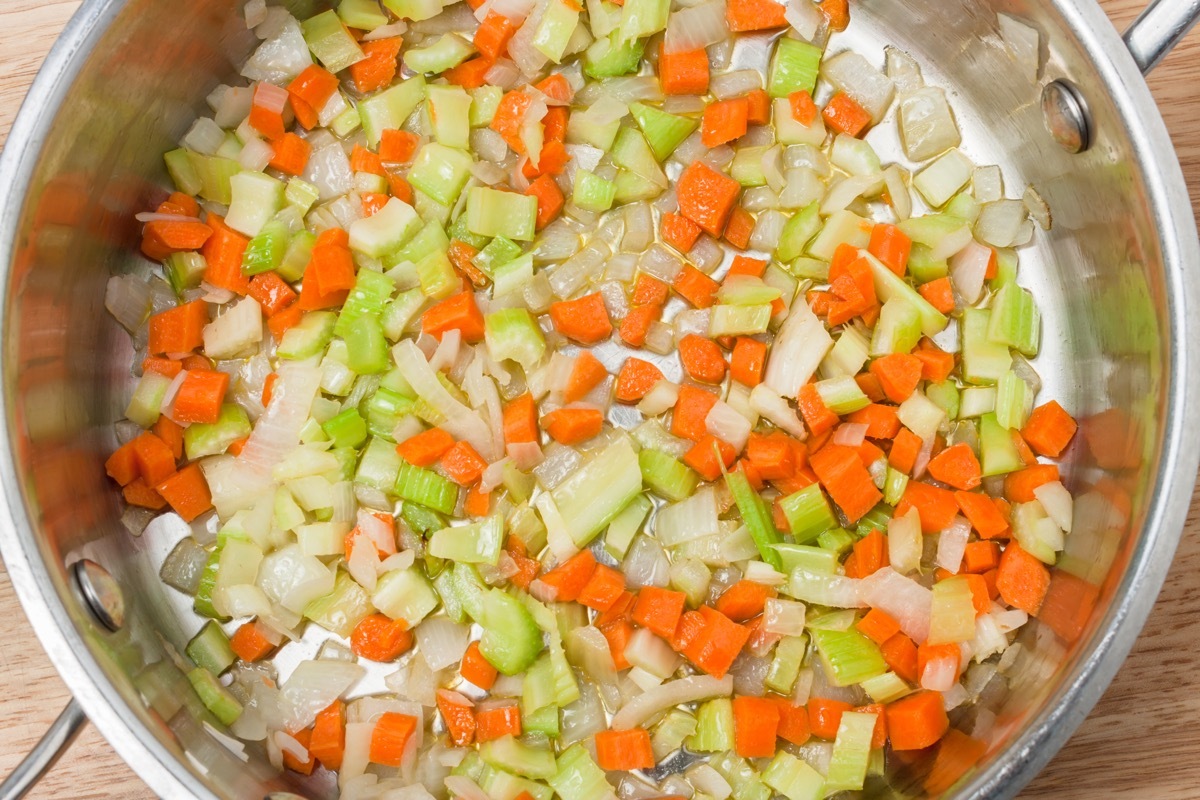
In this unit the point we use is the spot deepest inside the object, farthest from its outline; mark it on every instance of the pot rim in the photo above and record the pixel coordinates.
(1081, 687)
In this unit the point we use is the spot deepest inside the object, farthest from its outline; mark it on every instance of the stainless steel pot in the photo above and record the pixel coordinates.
(1118, 278)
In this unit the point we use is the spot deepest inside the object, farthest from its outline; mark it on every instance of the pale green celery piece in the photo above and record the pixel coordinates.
(592, 497)
(666, 476)
(311, 433)
(964, 206)
(555, 29)
(593, 193)
(347, 429)
(203, 602)
(898, 329)
(216, 698)
(798, 231)
(214, 174)
(513, 333)
(476, 543)
(612, 57)
(309, 337)
(371, 293)
(343, 608)
(632, 188)
(346, 123)
(848, 355)
(791, 777)
(231, 148)
(1006, 268)
(923, 267)
(945, 396)
(998, 452)
(370, 183)
(578, 778)
(496, 253)
(781, 280)
(842, 395)
(450, 113)
(441, 172)
(976, 401)
(210, 649)
(757, 517)
(385, 410)
(361, 14)
(183, 173)
(297, 256)
(432, 238)
(642, 18)
(889, 285)
(520, 484)
(513, 277)
(405, 594)
(625, 526)
(1014, 401)
(692, 577)
(794, 68)
(739, 320)
(837, 540)
(663, 131)
(415, 10)
(808, 513)
(145, 405)
(786, 663)
(886, 688)
(854, 156)
(484, 102)
(952, 618)
(501, 785)
(390, 107)
(213, 438)
(330, 42)
(875, 519)
(583, 129)
(427, 488)
(851, 752)
(1015, 320)
(448, 51)
(254, 199)
(286, 514)
(747, 167)
(266, 250)
(495, 213)
(367, 349)
(983, 361)
(632, 152)
(472, 765)
(669, 734)
(894, 486)
(939, 181)
(810, 269)
(714, 727)
(511, 639)
(842, 227)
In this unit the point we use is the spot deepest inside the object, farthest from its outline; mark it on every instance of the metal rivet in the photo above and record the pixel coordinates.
(1066, 116)
(101, 593)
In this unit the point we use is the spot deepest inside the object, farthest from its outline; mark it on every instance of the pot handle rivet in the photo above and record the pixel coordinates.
(1066, 116)
(101, 593)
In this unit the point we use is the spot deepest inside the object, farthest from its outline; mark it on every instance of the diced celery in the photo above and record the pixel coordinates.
(544, 721)
(923, 267)
(693, 578)
(203, 602)
(415, 10)
(347, 429)
(265, 251)
(370, 295)
(998, 452)
(585, 128)
(431, 239)
(1006, 268)
(361, 14)
(952, 619)
(450, 111)
(512, 333)
(437, 276)
(800, 228)
(578, 778)
(964, 206)
(1014, 401)
(894, 486)
(739, 320)
(385, 409)
(513, 277)
(593, 193)
(216, 698)
(297, 256)
(427, 488)
(889, 285)
(983, 361)
(511, 638)
(472, 765)
(663, 131)
(632, 187)
(631, 152)
(593, 496)
(183, 171)
(625, 526)
(213, 438)
(848, 356)
(976, 401)
(210, 649)
(666, 476)
(184, 270)
(378, 466)
(387, 230)
(520, 485)
(1015, 320)
(448, 51)
(854, 156)
(842, 227)
(945, 396)
(785, 666)
(641, 18)
(309, 337)
(366, 347)
(757, 517)
(898, 329)
(214, 174)
(808, 513)
(793, 778)
(496, 253)
(390, 107)
(875, 519)
(405, 594)
(1038, 535)
(885, 688)
(851, 752)
(343, 608)
(848, 656)
(842, 395)
(477, 543)
(555, 29)
(714, 727)
(145, 406)
(421, 519)
(612, 57)
(747, 168)
(484, 102)
(441, 172)
(794, 67)
(286, 514)
(669, 734)
(330, 42)
(494, 213)
(254, 199)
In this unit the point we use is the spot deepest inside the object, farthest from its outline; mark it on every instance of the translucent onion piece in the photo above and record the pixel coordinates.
(952, 544)
(968, 268)
(684, 690)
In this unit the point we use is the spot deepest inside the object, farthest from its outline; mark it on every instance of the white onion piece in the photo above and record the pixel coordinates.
(525, 455)
(380, 533)
(735, 84)
(493, 476)
(387, 31)
(850, 434)
(903, 70)
(952, 544)
(905, 600)
(777, 410)
(696, 27)
(941, 672)
(897, 189)
(855, 76)
(728, 425)
(363, 563)
(968, 269)
(784, 617)
(402, 560)
(1037, 208)
(1057, 502)
(313, 685)
(463, 787)
(1023, 44)
(461, 421)
(804, 18)
(646, 564)
(205, 137)
(689, 519)
(685, 690)
(845, 191)
(768, 230)
(927, 125)
(834, 591)
(503, 73)
(447, 351)
(999, 223)
(904, 542)
(588, 649)
(442, 642)
(281, 57)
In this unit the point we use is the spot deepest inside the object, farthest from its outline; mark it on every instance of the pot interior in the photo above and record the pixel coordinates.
(1098, 274)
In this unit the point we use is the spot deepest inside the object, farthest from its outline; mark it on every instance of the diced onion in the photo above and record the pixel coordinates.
(905, 600)
(728, 425)
(684, 690)
(804, 18)
(968, 269)
(696, 27)
(952, 544)
(735, 84)
(850, 434)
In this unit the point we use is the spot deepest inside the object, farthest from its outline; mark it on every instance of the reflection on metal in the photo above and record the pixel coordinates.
(101, 593)
(1066, 116)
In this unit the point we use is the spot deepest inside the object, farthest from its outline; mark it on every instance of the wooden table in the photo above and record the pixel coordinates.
(1139, 739)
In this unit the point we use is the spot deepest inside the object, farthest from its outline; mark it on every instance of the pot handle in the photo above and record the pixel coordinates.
(1158, 29)
(43, 755)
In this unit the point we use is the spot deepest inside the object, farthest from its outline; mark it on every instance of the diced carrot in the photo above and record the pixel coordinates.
(586, 375)
(981, 512)
(636, 379)
(470, 74)
(871, 553)
(1022, 579)
(389, 739)
(570, 577)
(186, 492)
(1069, 604)
(328, 741)
(816, 414)
(939, 293)
(649, 290)
(291, 154)
(603, 589)
(636, 325)
(200, 396)
(122, 465)
(310, 91)
(917, 721)
(725, 120)
(1023, 452)
(556, 87)
(398, 146)
(718, 643)
(754, 15)
(870, 387)
(1019, 486)
(364, 160)
(139, 493)
(709, 456)
(679, 232)
(702, 359)
(458, 712)
(520, 420)
(624, 750)
(476, 669)
(460, 254)
(881, 420)
(302, 737)
(843, 115)
(497, 721)
(571, 426)
(898, 374)
(492, 35)
(739, 228)
(249, 642)
(552, 160)
(161, 238)
(879, 735)
(878, 626)
(618, 634)
(510, 117)
(980, 557)
(760, 107)
(772, 455)
(804, 110)
(900, 654)
(282, 320)
(683, 73)
(747, 361)
(744, 600)
(380, 638)
(658, 610)
(906, 446)
(696, 287)
(706, 197)
(891, 246)
(223, 257)
(550, 199)
(583, 320)
(377, 70)
(937, 507)
(843, 475)
(793, 722)
(1049, 429)
(755, 726)
(837, 12)
(957, 466)
(825, 716)
(691, 411)
(936, 364)
(271, 292)
(179, 329)
(168, 367)
(459, 312)
(263, 118)
(462, 464)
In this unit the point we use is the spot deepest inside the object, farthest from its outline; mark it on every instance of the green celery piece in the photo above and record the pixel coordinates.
(183, 172)
(210, 649)
(513, 333)
(215, 174)
(300, 194)
(450, 112)
(216, 698)
(361, 14)
(430, 239)
(578, 778)
(513, 277)
(785, 665)
(458, 230)
(544, 721)
(793, 778)
(747, 168)
(378, 466)
(421, 519)
(145, 406)
(794, 68)
(309, 337)
(739, 320)
(851, 752)
(663, 131)
(494, 213)
(642, 18)
(666, 476)
(889, 285)
(390, 107)
(427, 488)
(837, 540)
(471, 591)
(757, 517)
(669, 734)
(611, 57)
(887, 687)
(385, 409)
(505, 786)
(415, 10)
(630, 151)
(520, 485)
(998, 453)
(265, 251)
(484, 102)
(555, 29)
(444, 584)
(876, 519)
(366, 347)
(330, 42)
(370, 295)
(923, 267)
(894, 486)
(385, 231)
(714, 727)
(496, 253)
(184, 271)
(808, 513)
(472, 765)
(511, 638)
(343, 608)
(983, 361)
(405, 594)
(297, 256)
(953, 616)
(1014, 401)
(626, 525)
(848, 656)
(1015, 320)
(437, 276)
(203, 603)
(476, 543)
(898, 329)
(347, 429)
(798, 231)
(593, 193)
(592, 497)
(447, 52)
(944, 394)
(213, 438)
(441, 172)
(632, 187)
(812, 559)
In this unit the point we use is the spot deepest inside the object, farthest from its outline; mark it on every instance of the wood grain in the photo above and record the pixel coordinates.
(1136, 742)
